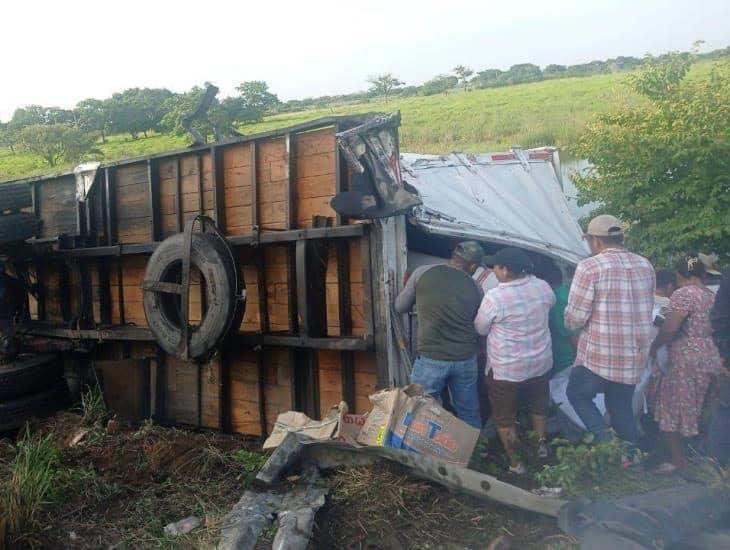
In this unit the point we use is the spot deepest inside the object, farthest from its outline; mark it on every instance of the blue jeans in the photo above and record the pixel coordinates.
(461, 379)
(583, 386)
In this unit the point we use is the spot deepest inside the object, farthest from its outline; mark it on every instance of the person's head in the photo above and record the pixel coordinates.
(467, 255)
(510, 263)
(712, 271)
(604, 232)
(551, 274)
(666, 282)
(690, 269)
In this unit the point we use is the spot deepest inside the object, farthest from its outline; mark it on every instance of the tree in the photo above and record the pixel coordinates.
(95, 115)
(217, 120)
(554, 71)
(664, 165)
(463, 73)
(138, 110)
(384, 84)
(8, 136)
(255, 98)
(521, 74)
(439, 84)
(37, 114)
(57, 142)
(488, 78)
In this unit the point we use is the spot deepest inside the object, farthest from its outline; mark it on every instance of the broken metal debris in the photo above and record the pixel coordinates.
(658, 519)
(182, 527)
(295, 512)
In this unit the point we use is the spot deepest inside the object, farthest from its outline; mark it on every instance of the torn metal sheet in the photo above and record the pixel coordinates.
(85, 175)
(294, 511)
(371, 151)
(327, 455)
(512, 198)
(658, 519)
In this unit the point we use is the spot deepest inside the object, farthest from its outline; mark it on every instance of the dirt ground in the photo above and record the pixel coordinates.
(121, 485)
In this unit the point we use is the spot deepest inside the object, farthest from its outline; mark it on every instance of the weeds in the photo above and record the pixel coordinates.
(33, 475)
(93, 407)
(585, 468)
(250, 463)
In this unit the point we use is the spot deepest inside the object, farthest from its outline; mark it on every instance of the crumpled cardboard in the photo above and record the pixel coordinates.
(336, 425)
(405, 418)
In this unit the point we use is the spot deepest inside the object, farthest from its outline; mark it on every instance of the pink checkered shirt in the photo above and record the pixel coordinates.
(611, 302)
(514, 317)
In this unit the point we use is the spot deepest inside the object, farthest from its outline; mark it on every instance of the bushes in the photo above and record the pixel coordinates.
(585, 468)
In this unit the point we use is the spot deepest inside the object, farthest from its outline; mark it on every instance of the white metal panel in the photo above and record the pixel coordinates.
(512, 198)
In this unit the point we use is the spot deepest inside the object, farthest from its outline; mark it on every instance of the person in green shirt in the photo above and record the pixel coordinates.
(562, 338)
(447, 299)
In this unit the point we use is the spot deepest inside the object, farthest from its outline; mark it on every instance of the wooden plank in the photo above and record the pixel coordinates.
(255, 219)
(291, 156)
(262, 293)
(153, 181)
(178, 197)
(110, 211)
(260, 384)
(219, 207)
(302, 278)
(199, 161)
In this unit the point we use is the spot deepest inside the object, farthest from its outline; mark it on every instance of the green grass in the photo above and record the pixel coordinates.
(552, 112)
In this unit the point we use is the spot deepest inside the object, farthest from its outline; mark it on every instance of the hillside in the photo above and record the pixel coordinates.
(551, 112)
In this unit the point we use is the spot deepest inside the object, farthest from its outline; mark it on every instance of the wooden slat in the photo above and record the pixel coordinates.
(255, 218)
(219, 207)
(291, 155)
(153, 179)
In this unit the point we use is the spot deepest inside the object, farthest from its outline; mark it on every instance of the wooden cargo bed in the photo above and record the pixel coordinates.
(308, 338)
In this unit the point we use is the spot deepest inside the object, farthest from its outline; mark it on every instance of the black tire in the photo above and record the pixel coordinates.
(29, 376)
(212, 258)
(18, 227)
(14, 413)
(14, 196)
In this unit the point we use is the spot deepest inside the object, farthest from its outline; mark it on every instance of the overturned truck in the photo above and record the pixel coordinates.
(222, 284)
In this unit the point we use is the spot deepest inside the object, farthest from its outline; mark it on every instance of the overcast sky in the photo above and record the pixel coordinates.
(59, 52)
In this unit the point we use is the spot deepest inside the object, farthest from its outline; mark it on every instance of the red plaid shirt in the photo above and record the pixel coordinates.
(610, 302)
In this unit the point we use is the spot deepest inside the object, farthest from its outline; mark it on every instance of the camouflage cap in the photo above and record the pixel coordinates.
(469, 251)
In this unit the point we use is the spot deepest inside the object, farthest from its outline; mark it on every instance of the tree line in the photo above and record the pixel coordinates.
(68, 135)
(58, 134)
(388, 85)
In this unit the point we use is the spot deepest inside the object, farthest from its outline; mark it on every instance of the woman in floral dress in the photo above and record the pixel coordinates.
(693, 359)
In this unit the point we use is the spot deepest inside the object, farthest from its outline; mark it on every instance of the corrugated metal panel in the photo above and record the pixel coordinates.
(509, 198)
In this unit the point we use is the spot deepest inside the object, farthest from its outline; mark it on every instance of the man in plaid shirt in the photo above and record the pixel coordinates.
(610, 303)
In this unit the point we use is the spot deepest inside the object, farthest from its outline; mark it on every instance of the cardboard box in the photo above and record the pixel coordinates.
(337, 425)
(405, 418)
(349, 427)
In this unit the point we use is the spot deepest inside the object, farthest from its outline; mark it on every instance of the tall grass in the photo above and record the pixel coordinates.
(32, 480)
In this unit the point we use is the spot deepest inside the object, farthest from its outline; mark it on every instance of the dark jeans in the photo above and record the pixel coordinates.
(583, 387)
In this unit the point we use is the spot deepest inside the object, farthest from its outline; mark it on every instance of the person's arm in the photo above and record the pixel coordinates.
(487, 314)
(580, 299)
(407, 297)
(669, 329)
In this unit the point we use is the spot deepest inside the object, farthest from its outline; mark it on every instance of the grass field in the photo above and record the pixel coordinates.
(552, 112)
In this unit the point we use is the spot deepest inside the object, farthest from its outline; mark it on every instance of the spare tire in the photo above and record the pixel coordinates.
(213, 259)
(14, 196)
(18, 227)
(30, 375)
